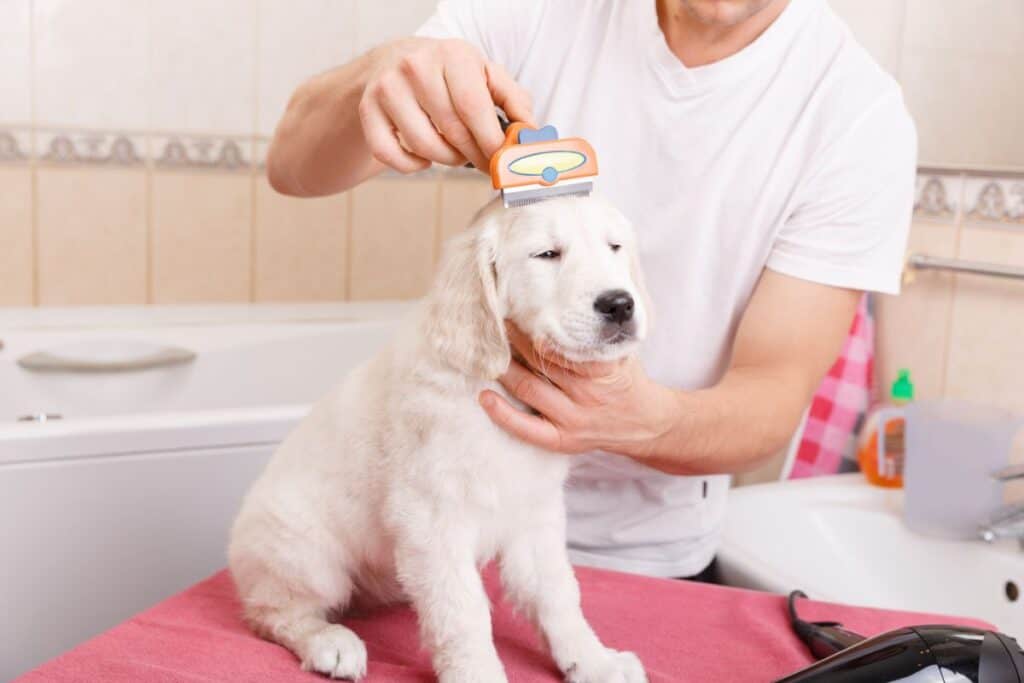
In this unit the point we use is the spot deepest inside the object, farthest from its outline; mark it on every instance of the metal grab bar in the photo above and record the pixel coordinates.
(49, 361)
(925, 262)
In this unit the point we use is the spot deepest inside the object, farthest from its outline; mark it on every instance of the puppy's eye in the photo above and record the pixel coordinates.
(549, 254)
(614, 246)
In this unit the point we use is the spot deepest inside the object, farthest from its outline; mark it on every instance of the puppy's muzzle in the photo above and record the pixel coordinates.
(616, 307)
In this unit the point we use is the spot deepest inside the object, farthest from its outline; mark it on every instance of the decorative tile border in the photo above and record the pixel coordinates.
(15, 145)
(202, 152)
(994, 200)
(90, 148)
(945, 195)
(64, 147)
(937, 196)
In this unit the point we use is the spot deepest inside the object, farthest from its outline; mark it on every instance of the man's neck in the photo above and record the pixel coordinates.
(696, 42)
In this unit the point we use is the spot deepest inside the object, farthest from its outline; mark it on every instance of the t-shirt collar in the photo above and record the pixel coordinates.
(683, 80)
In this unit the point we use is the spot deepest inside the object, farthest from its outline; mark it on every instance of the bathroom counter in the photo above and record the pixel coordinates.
(682, 631)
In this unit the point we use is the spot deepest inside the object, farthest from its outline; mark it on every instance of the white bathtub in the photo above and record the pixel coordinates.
(125, 494)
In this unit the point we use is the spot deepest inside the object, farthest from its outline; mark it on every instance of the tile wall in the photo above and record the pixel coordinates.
(961, 334)
(133, 135)
(132, 144)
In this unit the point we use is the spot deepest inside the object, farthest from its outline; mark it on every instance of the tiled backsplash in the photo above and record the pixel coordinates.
(95, 219)
(133, 135)
(961, 334)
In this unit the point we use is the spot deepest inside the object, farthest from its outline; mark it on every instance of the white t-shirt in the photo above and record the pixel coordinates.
(795, 154)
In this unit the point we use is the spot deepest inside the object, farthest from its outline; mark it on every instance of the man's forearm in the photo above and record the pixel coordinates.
(734, 425)
(318, 147)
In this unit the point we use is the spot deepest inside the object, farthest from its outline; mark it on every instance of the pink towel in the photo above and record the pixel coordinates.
(682, 631)
(838, 407)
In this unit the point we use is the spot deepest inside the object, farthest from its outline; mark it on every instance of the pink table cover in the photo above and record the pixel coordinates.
(682, 631)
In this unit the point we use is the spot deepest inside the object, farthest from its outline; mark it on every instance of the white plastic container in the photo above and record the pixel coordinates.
(953, 449)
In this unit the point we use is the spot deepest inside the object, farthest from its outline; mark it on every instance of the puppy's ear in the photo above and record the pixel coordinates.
(465, 322)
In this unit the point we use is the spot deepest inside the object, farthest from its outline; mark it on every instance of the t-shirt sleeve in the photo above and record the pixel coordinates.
(852, 216)
(502, 29)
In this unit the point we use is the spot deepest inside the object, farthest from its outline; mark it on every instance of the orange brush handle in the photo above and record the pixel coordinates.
(544, 162)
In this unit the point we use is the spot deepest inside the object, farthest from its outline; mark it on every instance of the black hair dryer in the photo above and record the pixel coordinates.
(917, 654)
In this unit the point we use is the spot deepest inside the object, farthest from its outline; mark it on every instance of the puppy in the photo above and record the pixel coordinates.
(398, 487)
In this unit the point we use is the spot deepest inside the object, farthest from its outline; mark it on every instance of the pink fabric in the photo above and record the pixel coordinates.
(682, 631)
(840, 401)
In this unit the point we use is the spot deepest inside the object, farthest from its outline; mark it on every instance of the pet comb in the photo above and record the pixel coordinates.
(533, 164)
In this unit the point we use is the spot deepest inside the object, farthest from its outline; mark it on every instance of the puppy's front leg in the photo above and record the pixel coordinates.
(440, 577)
(537, 576)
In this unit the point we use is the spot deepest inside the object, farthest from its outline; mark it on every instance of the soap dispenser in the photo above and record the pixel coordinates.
(887, 472)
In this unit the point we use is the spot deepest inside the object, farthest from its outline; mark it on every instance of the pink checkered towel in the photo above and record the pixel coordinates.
(828, 443)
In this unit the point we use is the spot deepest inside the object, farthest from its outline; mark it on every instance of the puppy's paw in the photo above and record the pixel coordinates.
(473, 672)
(337, 652)
(611, 666)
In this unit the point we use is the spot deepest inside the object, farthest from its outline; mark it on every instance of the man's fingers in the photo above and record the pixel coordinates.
(382, 140)
(467, 84)
(414, 127)
(529, 428)
(552, 364)
(432, 92)
(535, 392)
(508, 94)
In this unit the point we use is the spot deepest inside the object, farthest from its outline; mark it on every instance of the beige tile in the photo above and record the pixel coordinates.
(15, 236)
(203, 65)
(378, 22)
(16, 58)
(92, 236)
(91, 63)
(877, 25)
(393, 233)
(201, 237)
(461, 197)
(986, 362)
(300, 248)
(981, 26)
(326, 42)
(967, 105)
(913, 327)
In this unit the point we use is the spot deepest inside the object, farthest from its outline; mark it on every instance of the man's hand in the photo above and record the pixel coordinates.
(583, 407)
(431, 100)
(788, 337)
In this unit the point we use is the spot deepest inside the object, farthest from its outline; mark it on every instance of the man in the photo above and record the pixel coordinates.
(768, 165)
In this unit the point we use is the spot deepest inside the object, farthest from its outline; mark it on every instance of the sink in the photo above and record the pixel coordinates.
(841, 540)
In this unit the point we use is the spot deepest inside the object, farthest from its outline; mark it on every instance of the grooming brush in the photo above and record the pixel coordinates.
(533, 164)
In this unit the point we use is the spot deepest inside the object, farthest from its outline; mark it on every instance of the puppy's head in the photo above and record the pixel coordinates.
(563, 270)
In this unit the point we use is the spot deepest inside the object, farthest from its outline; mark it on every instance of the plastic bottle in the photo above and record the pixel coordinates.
(891, 476)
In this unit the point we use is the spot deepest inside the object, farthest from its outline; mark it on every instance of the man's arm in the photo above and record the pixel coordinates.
(402, 105)
(790, 334)
(789, 337)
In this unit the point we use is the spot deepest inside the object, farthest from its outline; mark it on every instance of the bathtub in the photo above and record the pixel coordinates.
(127, 439)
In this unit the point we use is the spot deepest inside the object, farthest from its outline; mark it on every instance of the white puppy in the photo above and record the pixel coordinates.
(398, 487)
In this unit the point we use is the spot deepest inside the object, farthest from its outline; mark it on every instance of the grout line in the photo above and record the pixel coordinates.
(150, 225)
(947, 346)
(350, 199)
(254, 171)
(253, 228)
(438, 219)
(33, 152)
(898, 67)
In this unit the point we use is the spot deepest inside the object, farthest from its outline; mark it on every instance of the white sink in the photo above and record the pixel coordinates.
(841, 540)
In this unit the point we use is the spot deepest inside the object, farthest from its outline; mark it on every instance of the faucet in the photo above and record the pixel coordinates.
(1008, 520)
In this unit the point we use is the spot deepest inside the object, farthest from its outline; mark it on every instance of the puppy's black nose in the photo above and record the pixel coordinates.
(616, 305)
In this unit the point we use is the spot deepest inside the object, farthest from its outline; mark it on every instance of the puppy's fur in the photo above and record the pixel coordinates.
(397, 487)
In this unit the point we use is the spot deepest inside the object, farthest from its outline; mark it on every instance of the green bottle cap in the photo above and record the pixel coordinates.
(903, 388)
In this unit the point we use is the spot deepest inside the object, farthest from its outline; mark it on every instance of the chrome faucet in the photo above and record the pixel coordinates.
(1008, 520)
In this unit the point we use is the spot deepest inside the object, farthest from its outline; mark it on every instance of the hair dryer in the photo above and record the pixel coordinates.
(918, 654)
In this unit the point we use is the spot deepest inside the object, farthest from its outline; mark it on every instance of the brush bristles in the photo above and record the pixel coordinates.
(514, 198)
